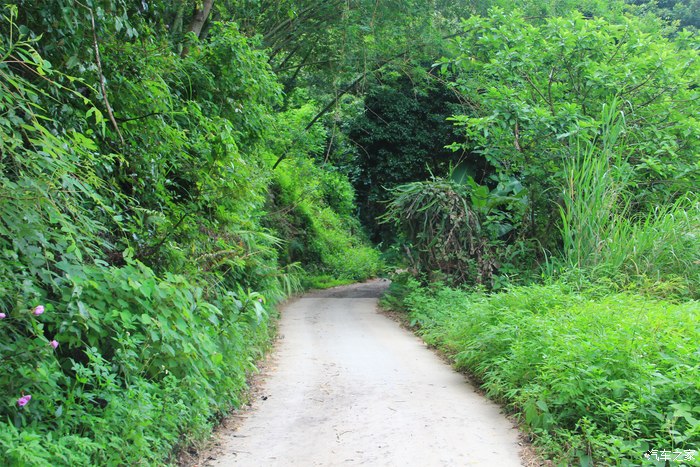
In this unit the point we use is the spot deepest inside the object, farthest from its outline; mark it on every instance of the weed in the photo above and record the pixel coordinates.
(595, 377)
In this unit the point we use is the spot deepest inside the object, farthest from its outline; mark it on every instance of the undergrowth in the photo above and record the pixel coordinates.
(597, 376)
(313, 209)
(136, 275)
(91, 381)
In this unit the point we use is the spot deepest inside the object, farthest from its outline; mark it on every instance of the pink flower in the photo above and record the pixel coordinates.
(54, 343)
(38, 310)
(3, 316)
(24, 400)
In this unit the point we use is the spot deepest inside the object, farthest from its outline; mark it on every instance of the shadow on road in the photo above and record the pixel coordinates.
(374, 288)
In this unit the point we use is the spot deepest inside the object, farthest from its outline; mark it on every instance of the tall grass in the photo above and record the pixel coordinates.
(604, 237)
(662, 245)
(593, 193)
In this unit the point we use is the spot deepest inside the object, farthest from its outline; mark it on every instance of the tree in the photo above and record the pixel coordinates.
(685, 12)
(533, 88)
(401, 137)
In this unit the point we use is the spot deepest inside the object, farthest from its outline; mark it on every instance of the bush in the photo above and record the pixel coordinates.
(125, 378)
(458, 231)
(311, 208)
(602, 376)
(107, 359)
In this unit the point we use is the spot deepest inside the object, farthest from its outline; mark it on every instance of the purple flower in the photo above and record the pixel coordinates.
(24, 400)
(3, 316)
(38, 310)
(260, 300)
(54, 343)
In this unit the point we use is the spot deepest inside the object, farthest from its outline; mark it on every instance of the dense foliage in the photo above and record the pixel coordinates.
(313, 207)
(537, 93)
(604, 236)
(598, 378)
(401, 136)
(535, 88)
(138, 262)
(585, 123)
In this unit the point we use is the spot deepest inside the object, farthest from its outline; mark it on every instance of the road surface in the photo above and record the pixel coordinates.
(351, 387)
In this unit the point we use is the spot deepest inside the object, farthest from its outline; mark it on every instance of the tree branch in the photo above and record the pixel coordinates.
(103, 88)
(150, 251)
(323, 112)
(529, 80)
(200, 17)
(287, 58)
(350, 87)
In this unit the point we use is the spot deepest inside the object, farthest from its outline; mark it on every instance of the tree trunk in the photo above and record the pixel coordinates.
(199, 18)
(214, 17)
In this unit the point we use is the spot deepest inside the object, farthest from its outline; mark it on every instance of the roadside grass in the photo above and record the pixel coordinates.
(596, 377)
(323, 281)
(607, 237)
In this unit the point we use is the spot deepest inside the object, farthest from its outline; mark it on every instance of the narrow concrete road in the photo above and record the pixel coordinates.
(351, 387)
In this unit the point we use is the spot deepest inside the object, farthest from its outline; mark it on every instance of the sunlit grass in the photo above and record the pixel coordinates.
(599, 376)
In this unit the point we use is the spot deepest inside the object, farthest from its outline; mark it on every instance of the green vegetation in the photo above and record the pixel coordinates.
(172, 170)
(402, 137)
(557, 261)
(140, 260)
(131, 366)
(455, 228)
(600, 363)
(595, 377)
(603, 236)
(312, 208)
(536, 89)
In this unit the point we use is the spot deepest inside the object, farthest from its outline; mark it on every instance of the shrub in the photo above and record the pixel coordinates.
(125, 378)
(607, 376)
(457, 230)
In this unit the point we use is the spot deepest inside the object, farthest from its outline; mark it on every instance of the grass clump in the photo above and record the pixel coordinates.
(605, 237)
(595, 377)
(323, 281)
